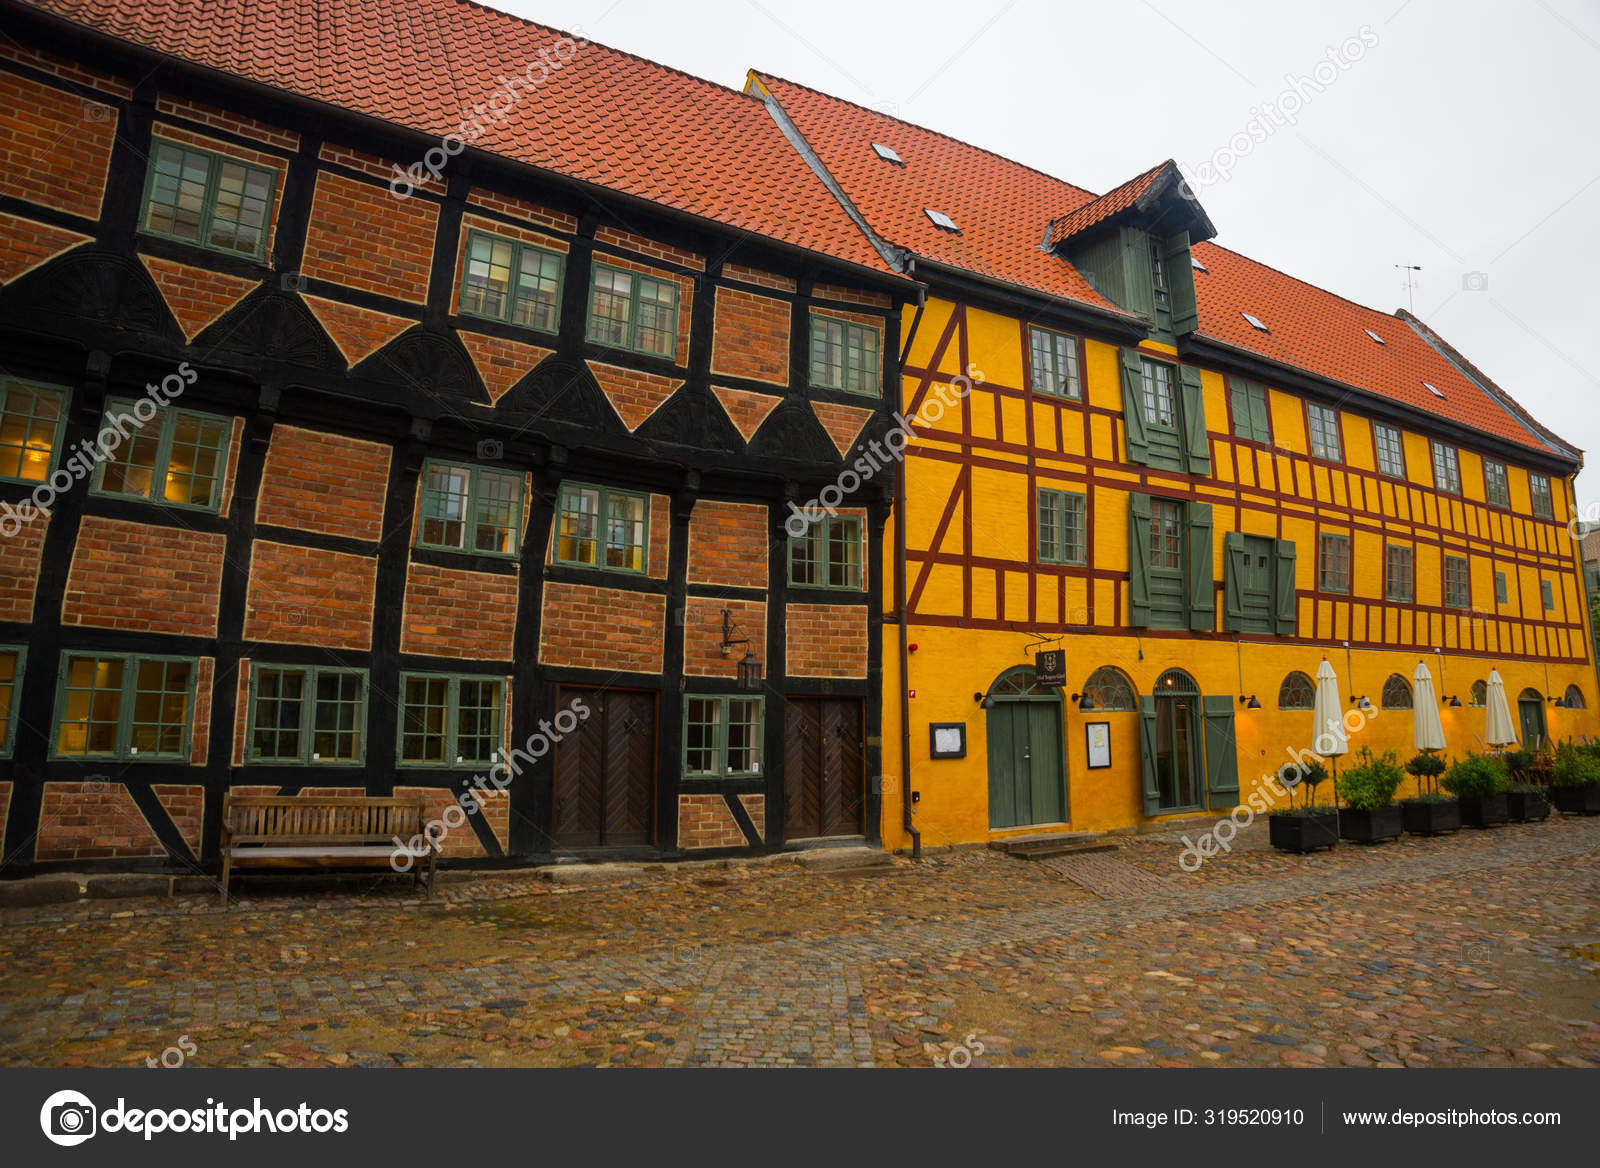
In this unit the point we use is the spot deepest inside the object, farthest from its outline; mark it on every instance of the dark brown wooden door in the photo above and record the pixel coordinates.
(823, 759)
(605, 772)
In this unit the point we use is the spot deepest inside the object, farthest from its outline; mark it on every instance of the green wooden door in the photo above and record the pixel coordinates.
(1026, 781)
(1532, 716)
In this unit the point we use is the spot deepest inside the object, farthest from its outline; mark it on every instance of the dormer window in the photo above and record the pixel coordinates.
(941, 220)
(1255, 322)
(887, 153)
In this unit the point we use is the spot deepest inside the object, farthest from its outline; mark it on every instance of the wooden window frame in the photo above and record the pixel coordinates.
(1389, 686)
(472, 518)
(1502, 500)
(1077, 555)
(849, 331)
(1463, 566)
(1541, 502)
(1053, 349)
(720, 747)
(1322, 563)
(632, 326)
(208, 202)
(452, 730)
(308, 715)
(518, 250)
(1378, 429)
(64, 404)
(1326, 416)
(1390, 592)
(1452, 463)
(604, 495)
(823, 566)
(13, 702)
(124, 750)
(167, 418)
(1149, 384)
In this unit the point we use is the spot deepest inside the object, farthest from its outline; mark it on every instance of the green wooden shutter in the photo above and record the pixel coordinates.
(1194, 421)
(1147, 755)
(1139, 560)
(1180, 284)
(1133, 406)
(1260, 422)
(1288, 589)
(1222, 755)
(1202, 581)
(1139, 278)
(1233, 578)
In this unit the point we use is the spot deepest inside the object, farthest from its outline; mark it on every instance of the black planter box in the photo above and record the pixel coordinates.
(1577, 800)
(1485, 811)
(1369, 827)
(1424, 817)
(1304, 833)
(1527, 806)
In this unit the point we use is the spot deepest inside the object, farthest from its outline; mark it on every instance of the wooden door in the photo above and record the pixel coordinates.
(605, 772)
(1531, 711)
(1026, 781)
(823, 767)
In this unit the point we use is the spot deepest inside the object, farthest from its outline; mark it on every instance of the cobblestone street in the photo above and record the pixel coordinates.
(1478, 949)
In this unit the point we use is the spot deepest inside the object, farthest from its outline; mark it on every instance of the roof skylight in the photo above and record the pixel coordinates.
(1255, 322)
(1374, 336)
(887, 153)
(940, 219)
(1433, 389)
(1194, 262)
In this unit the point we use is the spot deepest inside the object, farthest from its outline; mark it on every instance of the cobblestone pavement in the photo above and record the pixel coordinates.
(1480, 948)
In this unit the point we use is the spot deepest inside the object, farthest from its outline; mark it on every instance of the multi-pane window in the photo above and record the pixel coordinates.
(1457, 582)
(1397, 693)
(10, 697)
(1502, 590)
(1159, 407)
(470, 509)
(1251, 421)
(601, 528)
(828, 555)
(1333, 563)
(721, 737)
(1325, 441)
(1158, 276)
(1297, 693)
(450, 721)
(1399, 574)
(1391, 451)
(1543, 502)
(205, 198)
(1061, 527)
(176, 457)
(304, 714)
(1446, 469)
(1548, 591)
(1496, 485)
(1166, 535)
(1054, 363)
(31, 420)
(112, 706)
(844, 355)
(635, 312)
(510, 281)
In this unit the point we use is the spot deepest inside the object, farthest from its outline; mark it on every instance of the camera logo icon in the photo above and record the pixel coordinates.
(1475, 281)
(68, 1118)
(292, 281)
(491, 449)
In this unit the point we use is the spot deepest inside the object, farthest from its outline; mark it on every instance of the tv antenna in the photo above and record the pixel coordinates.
(1411, 284)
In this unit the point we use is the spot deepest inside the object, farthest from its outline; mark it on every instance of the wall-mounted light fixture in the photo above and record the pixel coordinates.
(749, 672)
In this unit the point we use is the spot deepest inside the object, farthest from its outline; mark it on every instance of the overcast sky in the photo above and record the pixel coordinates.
(1461, 139)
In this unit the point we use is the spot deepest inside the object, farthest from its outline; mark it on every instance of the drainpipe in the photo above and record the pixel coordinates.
(900, 605)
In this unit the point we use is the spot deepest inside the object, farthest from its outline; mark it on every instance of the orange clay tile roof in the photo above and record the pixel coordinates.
(1002, 208)
(1107, 205)
(605, 117)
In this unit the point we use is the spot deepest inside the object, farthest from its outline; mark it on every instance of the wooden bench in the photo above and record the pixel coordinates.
(292, 831)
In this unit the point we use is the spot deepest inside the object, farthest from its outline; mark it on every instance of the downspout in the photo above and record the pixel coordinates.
(906, 820)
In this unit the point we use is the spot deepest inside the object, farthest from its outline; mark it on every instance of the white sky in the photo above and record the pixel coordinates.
(1463, 140)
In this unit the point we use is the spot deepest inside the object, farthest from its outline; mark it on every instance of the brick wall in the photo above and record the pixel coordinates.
(459, 613)
(379, 168)
(175, 106)
(359, 332)
(702, 635)
(827, 640)
(728, 544)
(462, 842)
(704, 821)
(751, 338)
(634, 395)
(363, 237)
(602, 628)
(48, 62)
(19, 568)
(660, 251)
(746, 409)
(200, 721)
(304, 596)
(522, 209)
(195, 296)
(185, 806)
(144, 578)
(25, 244)
(55, 147)
(316, 481)
(241, 714)
(92, 821)
(755, 276)
(852, 295)
(501, 363)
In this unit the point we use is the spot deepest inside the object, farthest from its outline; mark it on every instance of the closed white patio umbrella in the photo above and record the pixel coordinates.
(1427, 731)
(1327, 719)
(1499, 731)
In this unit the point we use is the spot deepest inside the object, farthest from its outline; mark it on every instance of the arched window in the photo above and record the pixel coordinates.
(1109, 690)
(1530, 695)
(1178, 683)
(1297, 693)
(1396, 693)
(1574, 698)
(1021, 682)
(1479, 696)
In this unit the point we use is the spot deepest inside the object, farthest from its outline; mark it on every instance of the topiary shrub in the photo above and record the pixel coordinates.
(1476, 777)
(1519, 763)
(1426, 769)
(1371, 783)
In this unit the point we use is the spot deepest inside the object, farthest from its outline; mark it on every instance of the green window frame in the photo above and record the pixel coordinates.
(1544, 506)
(1323, 424)
(1502, 590)
(1333, 563)
(597, 527)
(123, 707)
(471, 509)
(722, 736)
(1062, 526)
(1547, 590)
(1391, 450)
(1496, 483)
(1446, 468)
(1252, 420)
(628, 310)
(306, 715)
(1160, 398)
(177, 459)
(845, 355)
(13, 659)
(450, 720)
(1457, 582)
(1399, 574)
(1053, 364)
(513, 282)
(828, 555)
(207, 199)
(33, 417)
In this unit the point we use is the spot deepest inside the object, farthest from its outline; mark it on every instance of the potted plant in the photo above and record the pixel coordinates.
(1428, 812)
(1480, 782)
(1575, 780)
(1525, 798)
(1309, 826)
(1369, 813)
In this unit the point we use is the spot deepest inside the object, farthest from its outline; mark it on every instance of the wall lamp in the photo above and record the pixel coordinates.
(1249, 703)
(1085, 702)
(1454, 703)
